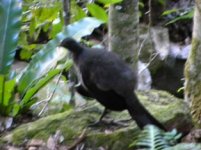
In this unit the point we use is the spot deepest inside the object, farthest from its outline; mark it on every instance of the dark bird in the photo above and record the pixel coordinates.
(104, 76)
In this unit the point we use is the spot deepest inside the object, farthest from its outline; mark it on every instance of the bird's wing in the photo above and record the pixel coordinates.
(108, 75)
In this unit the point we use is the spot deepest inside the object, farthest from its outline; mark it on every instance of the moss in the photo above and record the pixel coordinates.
(163, 106)
(196, 103)
(41, 129)
(186, 146)
(195, 44)
(167, 103)
(193, 81)
(113, 141)
(193, 63)
(124, 31)
(191, 58)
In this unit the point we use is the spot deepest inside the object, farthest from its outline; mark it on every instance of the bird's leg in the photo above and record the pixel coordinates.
(118, 123)
(100, 121)
(123, 123)
(72, 85)
(105, 112)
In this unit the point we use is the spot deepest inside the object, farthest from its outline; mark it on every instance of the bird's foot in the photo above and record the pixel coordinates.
(119, 123)
(101, 123)
(96, 124)
(125, 121)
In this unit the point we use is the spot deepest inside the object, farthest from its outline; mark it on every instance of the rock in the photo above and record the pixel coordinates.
(144, 77)
(169, 76)
(157, 45)
(161, 41)
(5, 123)
(186, 146)
(164, 59)
(171, 111)
(12, 148)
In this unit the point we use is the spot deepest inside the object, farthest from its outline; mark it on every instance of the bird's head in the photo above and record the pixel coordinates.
(71, 45)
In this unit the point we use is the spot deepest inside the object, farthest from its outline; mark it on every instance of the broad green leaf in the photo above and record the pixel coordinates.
(32, 91)
(28, 105)
(97, 11)
(77, 11)
(6, 111)
(141, 5)
(2, 80)
(47, 58)
(56, 28)
(8, 91)
(81, 28)
(167, 12)
(188, 15)
(48, 14)
(25, 54)
(42, 82)
(109, 2)
(48, 65)
(10, 15)
(162, 2)
(32, 26)
(15, 109)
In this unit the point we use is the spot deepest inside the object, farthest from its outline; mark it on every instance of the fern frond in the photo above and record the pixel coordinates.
(152, 138)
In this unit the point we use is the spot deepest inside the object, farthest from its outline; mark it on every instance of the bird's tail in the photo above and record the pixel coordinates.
(140, 114)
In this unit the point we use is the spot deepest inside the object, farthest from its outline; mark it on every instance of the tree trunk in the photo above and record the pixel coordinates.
(66, 8)
(193, 68)
(123, 29)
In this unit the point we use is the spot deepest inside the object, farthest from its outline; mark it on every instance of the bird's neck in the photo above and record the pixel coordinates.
(75, 48)
(76, 51)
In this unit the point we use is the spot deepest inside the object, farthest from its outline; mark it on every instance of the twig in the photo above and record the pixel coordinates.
(147, 12)
(150, 23)
(149, 29)
(50, 97)
(141, 45)
(79, 140)
(152, 57)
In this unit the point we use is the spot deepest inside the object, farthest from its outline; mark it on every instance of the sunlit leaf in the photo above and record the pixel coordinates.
(32, 27)
(141, 5)
(167, 12)
(43, 81)
(32, 91)
(56, 28)
(162, 2)
(2, 80)
(97, 11)
(188, 15)
(15, 109)
(25, 54)
(109, 2)
(8, 91)
(76, 11)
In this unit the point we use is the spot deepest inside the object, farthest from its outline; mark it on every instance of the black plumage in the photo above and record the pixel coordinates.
(104, 76)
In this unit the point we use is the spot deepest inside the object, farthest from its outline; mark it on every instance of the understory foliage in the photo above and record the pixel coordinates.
(17, 90)
(35, 29)
(43, 20)
(152, 138)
